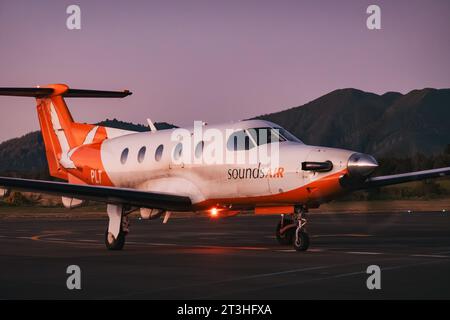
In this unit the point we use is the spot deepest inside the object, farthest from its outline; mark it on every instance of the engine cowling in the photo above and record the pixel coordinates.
(150, 214)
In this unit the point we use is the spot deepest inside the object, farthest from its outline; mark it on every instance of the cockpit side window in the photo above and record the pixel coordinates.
(288, 136)
(239, 141)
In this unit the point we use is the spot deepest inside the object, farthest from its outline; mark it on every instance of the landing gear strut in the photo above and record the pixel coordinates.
(292, 230)
(285, 231)
(301, 240)
(118, 227)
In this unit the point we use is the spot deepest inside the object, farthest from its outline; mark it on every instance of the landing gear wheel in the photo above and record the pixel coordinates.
(301, 237)
(288, 236)
(112, 243)
(118, 225)
(301, 241)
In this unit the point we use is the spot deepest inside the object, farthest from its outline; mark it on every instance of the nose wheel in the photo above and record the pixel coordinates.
(291, 230)
(301, 242)
(113, 243)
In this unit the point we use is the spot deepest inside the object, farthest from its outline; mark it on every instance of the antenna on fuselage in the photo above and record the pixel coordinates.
(151, 125)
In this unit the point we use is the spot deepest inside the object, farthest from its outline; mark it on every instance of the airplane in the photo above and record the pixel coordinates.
(132, 171)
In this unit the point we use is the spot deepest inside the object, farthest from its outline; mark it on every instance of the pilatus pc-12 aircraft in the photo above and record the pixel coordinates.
(138, 170)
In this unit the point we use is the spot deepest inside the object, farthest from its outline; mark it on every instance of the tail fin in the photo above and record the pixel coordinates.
(60, 133)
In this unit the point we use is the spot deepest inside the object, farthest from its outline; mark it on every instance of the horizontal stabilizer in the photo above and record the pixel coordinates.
(69, 93)
(82, 93)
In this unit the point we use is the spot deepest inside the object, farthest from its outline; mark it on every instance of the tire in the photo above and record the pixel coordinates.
(288, 236)
(113, 243)
(303, 241)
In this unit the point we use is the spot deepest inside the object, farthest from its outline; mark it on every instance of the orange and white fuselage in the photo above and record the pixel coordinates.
(96, 155)
(210, 184)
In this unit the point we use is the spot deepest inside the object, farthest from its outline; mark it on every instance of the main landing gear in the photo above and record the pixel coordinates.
(291, 230)
(118, 227)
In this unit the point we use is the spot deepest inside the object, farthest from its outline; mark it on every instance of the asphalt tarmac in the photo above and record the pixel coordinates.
(234, 258)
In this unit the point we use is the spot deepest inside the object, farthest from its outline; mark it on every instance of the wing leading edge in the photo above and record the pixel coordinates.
(110, 195)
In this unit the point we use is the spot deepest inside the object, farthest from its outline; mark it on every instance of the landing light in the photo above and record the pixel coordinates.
(214, 212)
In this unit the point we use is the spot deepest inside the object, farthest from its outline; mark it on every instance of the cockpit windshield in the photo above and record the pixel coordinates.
(246, 139)
(265, 135)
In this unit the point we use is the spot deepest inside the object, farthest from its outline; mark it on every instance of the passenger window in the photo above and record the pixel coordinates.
(141, 154)
(177, 151)
(124, 156)
(239, 141)
(158, 152)
(199, 149)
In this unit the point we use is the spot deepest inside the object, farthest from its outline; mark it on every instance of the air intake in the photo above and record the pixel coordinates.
(317, 166)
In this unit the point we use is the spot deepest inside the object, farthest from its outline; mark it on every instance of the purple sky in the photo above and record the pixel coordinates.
(215, 60)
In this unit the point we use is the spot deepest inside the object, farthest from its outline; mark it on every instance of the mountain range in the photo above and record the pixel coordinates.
(387, 125)
(392, 124)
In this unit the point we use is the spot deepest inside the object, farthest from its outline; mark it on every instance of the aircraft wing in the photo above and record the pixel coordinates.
(382, 181)
(111, 195)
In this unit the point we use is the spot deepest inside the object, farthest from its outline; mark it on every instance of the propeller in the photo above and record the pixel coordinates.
(359, 167)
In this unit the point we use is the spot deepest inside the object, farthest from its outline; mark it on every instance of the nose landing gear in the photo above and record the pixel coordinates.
(285, 231)
(292, 230)
(301, 242)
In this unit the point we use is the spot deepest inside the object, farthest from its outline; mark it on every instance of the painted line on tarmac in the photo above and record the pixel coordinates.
(364, 252)
(272, 274)
(358, 235)
(48, 238)
(317, 250)
(293, 250)
(319, 279)
(226, 247)
(212, 283)
(159, 244)
(429, 255)
(309, 250)
(201, 246)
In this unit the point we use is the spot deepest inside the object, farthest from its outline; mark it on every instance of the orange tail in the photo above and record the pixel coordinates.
(60, 133)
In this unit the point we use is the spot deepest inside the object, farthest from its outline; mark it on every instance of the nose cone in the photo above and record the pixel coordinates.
(361, 165)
